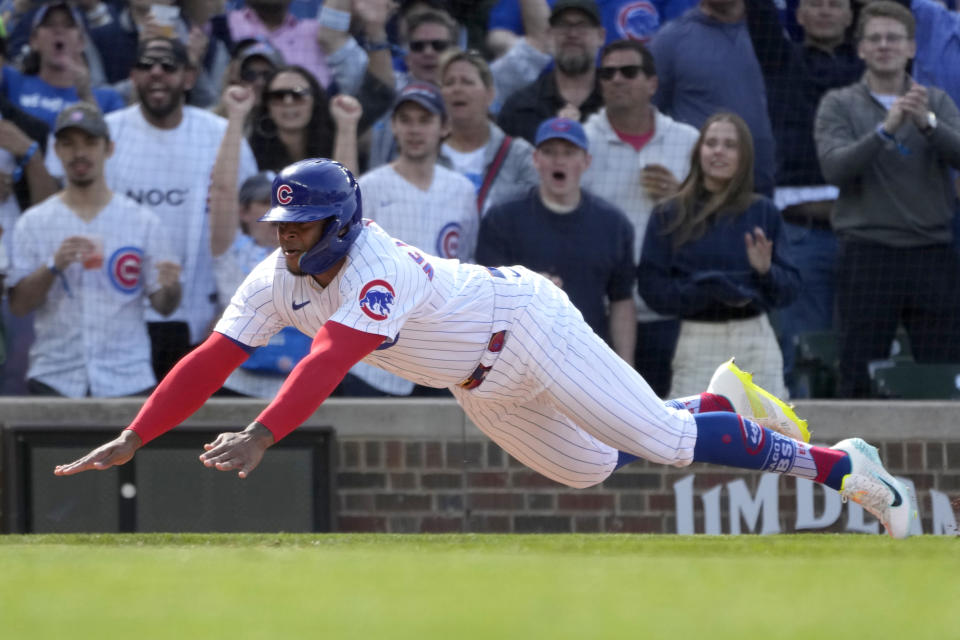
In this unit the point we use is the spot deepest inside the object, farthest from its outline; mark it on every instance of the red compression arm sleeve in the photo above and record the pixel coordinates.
(335, 349)
(187, 386)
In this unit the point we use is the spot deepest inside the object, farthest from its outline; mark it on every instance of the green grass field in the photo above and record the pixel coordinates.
(472, 586)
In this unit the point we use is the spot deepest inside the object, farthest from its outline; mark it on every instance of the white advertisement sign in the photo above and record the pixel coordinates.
(760, 512)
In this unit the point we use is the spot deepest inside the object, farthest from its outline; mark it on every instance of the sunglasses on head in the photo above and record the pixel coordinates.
(418, 46)
(146, 63)
(629, 71)
(296, 94)
(252, 75)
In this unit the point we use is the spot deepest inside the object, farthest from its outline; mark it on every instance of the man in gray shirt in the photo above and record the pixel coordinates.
(888, 144)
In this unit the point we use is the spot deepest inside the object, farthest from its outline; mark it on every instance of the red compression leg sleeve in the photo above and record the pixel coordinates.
(187, 386)
(335, 349)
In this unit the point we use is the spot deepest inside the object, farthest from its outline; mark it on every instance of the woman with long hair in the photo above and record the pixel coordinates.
(715, 254)
(500, 167)
(292, 120)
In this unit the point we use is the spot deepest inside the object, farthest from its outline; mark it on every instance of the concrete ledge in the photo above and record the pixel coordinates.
(428, 418)
(412, 418)
(833, 420)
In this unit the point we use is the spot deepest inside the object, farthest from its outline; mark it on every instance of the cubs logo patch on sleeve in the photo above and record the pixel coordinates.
(376, 298)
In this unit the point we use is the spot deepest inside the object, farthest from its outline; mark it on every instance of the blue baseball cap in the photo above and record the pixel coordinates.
(564, 129)
(425, 94)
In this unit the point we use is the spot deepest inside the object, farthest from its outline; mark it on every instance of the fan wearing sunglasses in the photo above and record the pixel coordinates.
(295, 119)
(292, 120)
(429, 35)
(640, 156)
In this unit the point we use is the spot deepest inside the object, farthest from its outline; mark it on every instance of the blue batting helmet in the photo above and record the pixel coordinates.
(318, 189)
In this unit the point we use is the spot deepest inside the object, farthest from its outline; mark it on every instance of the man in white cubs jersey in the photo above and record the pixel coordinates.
(165, 152)
(417, 200)
(85, 259)
(413, 197)
(518, 357)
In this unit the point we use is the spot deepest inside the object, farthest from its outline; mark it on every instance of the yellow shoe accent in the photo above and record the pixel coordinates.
(751, 400)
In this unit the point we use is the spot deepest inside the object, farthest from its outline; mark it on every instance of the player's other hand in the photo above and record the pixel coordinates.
(238, 451)
(116, 452)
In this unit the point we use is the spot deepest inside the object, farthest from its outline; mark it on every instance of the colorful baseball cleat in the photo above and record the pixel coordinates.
(873, 488)
(751, 400)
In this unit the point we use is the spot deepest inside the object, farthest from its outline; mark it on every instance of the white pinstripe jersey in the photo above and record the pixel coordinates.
(436, 315)
(442, 220)
(91, 330)
(556, 397)
(168, 170)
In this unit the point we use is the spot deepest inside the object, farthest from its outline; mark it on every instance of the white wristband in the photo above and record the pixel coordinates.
(334, 19)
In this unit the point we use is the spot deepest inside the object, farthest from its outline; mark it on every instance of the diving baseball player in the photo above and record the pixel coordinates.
(516, 354)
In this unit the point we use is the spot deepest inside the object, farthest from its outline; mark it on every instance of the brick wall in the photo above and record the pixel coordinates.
(434, 472)
(403, 486)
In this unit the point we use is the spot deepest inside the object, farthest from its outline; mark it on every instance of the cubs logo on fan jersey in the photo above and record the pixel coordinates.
(376, 298)
(448, 240)
(638, 20)
(124, 269)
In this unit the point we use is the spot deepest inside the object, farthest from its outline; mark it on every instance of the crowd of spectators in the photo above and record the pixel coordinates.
(704, 178)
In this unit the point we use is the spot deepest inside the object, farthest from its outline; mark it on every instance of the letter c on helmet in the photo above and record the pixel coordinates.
(284, 194)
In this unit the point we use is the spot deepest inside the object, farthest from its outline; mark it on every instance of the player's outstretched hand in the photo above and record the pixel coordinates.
(116, 452)
(241, 451)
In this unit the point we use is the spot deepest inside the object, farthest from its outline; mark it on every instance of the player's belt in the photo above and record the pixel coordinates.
(494, 346)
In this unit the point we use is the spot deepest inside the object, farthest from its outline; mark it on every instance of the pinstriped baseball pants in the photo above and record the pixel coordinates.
(560, 401)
